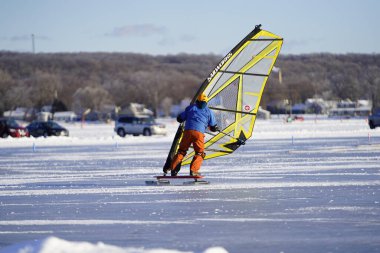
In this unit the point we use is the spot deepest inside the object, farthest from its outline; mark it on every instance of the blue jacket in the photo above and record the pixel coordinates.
(197, 119)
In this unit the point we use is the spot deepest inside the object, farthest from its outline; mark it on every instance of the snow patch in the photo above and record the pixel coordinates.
(57, 245)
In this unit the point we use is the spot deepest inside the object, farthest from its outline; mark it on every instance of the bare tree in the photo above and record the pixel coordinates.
(166, 105)
(91, 97)
(124, 77)
(373, 79)
(6, 82)
(19, 96)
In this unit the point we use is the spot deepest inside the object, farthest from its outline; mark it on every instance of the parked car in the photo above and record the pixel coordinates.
(137, 125)
(46, 128)
(374, 120)
(9, 127)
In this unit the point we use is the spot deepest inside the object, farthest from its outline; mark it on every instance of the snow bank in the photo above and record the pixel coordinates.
(57, 245)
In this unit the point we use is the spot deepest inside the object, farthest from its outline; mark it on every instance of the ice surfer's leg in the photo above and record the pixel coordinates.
(197, 162)
(177, 159)
(183, 147)
(198, 144)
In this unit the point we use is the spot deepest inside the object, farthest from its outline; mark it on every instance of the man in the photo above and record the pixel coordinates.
(198, 117)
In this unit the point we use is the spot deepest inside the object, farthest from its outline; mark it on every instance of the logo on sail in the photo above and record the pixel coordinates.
(216, 69)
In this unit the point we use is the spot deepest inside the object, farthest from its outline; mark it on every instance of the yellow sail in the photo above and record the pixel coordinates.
(235, 88)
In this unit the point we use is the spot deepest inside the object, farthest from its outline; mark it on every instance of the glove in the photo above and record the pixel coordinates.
(179, 120)
(214, 128)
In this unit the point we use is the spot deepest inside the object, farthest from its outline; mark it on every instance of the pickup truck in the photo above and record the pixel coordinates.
(374, 121)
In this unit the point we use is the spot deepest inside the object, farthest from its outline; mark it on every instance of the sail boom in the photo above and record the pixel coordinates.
(234, 111)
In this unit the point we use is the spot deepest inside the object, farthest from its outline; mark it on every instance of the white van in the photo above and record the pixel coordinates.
(137, 125)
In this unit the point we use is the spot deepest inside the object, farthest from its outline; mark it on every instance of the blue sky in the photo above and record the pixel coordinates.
(193, 26)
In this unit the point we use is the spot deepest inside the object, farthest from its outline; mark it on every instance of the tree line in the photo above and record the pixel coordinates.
(78, 81)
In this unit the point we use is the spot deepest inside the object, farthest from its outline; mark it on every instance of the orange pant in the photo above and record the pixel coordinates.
(197, 139)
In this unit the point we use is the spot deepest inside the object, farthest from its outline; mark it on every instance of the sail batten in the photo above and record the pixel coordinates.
(266, 39)
(242, 73)
(234, 88)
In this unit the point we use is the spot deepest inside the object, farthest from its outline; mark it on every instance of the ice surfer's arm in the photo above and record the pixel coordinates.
(179, 119)
(212, 123)
(214, 128)
(182, 116)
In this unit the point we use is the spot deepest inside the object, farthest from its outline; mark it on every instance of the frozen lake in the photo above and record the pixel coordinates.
(311, 186)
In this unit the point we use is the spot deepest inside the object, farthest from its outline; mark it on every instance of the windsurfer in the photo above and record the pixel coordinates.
(198, 117)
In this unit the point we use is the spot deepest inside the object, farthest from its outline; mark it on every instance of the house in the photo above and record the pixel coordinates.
(67, 116)
(349, 112)
(177, 109)
(299, 108)
(19, 114)
(44, 116)
(349, 109)
(135, 109)
(317, 105)
(29, 114)
(263, 114)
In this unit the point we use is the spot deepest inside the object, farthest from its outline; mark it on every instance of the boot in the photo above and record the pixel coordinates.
(195, 174)
(174, 172)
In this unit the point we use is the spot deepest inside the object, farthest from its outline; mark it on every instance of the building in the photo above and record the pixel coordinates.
(135, 109)
(350, 109)
(68, 116)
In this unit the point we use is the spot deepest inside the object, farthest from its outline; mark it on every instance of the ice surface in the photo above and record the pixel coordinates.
(310, 186)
